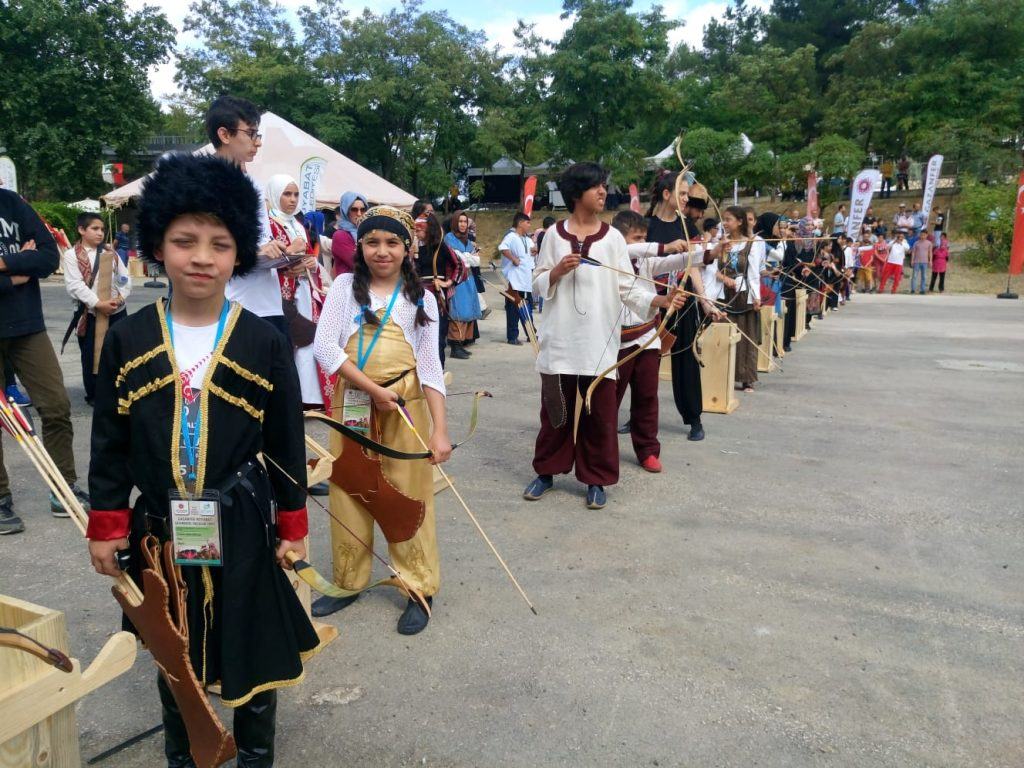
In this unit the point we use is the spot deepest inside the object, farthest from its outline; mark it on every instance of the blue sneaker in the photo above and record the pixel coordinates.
(541, 485)
(20, 398)
(57, 509)
(595, 497)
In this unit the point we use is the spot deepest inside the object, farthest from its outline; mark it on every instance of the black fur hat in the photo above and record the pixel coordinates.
(184, 183)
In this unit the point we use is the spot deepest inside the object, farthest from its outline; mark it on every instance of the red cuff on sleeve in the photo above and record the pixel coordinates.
(292, 525)
(108, 524)
(661, 249)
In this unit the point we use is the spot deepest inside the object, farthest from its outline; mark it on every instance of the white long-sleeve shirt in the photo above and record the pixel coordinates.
(340, 319)
(649, 262)
(751, 281)
(120, 284)
(579, 333)
(258, 290)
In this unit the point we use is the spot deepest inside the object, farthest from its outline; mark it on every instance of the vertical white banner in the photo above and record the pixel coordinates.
(931, 181)
(310, 173)
(860, 198)
(8, 174)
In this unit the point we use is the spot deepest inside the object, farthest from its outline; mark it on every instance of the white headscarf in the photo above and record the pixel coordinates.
(275, 188)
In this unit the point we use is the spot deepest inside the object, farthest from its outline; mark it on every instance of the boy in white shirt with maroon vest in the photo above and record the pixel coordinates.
(584, 274)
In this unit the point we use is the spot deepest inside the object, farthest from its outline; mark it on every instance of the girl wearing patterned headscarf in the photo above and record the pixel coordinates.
(303, 288)
(379, 333)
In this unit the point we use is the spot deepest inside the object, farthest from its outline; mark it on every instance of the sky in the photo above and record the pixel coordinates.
(496, 18)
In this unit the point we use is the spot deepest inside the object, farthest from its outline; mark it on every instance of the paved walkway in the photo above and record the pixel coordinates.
(831, 579)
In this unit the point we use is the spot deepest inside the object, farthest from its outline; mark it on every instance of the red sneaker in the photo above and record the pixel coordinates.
(651, 464)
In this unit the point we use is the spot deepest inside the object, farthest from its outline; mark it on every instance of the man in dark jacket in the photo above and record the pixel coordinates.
(28, 253)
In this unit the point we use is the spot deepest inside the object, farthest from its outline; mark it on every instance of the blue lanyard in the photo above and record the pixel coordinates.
(362, 358)
(190, 434)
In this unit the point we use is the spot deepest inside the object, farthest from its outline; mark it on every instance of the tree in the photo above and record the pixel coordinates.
(84, 89)
(986, 215)
(248, 48)
(606, 71)
(740, 32)
(771, 96)
(715, 156)
(514, 122)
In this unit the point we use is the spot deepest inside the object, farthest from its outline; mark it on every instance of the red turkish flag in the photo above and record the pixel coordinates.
(1017, 249)
(529, 190)
(634, 198)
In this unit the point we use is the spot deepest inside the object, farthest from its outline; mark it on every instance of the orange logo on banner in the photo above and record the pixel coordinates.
(1017, 250)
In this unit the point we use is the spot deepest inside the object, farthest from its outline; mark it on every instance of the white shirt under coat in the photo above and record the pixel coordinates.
(580, 328)
(650, 262)
(120, 283)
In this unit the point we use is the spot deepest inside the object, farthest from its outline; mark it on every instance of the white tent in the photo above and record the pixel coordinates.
(285, 148)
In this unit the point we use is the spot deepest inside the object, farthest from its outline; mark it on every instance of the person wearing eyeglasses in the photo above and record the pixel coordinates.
(233, 127)
(343, 241)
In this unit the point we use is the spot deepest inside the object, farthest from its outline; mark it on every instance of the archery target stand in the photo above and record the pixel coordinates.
(801, 314)
(764, 348)
(718, 376)
(780, 332)
(37, 701)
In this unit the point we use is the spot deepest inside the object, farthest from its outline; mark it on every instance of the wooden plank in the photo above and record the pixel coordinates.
(51, 741)
(717, 378)
(30, 701)
(780, 332)
(801, 314)
(764, 348)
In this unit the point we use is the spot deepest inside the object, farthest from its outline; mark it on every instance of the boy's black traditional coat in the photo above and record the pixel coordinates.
(247, 628)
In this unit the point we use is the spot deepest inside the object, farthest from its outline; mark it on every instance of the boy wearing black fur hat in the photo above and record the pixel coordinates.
(173, 375)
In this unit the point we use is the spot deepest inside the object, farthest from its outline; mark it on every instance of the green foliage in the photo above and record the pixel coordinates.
(716, 158)
(60, 216)
(605, 71)
(986, 215)
(74, 81)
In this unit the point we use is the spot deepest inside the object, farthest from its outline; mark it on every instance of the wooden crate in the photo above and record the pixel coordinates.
(780, 332)
(764, 348)
(37, 701)
(136, 268)
(801, 314)
(718, 376)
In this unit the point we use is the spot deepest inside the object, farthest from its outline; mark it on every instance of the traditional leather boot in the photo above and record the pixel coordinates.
(176, 747)
(255, 725)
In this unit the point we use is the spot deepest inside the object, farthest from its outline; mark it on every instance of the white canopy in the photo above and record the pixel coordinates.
(285, 148)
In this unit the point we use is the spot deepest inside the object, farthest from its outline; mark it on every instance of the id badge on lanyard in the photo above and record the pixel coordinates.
(357, 407)
(196, 528)
(356, 410)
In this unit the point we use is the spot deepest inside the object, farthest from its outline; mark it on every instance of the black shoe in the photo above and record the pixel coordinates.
(540, 485)
(624, 429)
(595, 497)
(459, 353)
(787, 348)
(326, 605)
(696, 432)
(414, 619)
(9, 522)
(515, 342)
(254, 729)
(485, 313)
(319, 489)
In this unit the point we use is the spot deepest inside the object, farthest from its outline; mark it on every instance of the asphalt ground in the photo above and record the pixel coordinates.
(832, 578)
